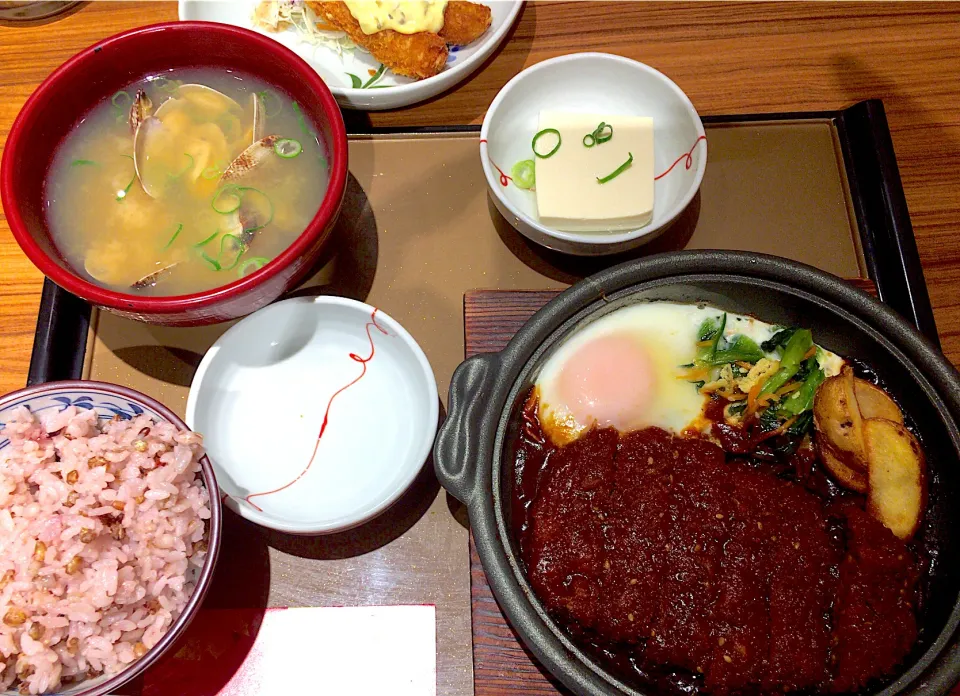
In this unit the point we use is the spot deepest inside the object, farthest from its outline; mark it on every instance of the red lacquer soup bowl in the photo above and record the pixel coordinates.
(99, 71)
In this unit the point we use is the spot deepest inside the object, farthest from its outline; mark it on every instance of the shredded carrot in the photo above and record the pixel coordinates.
(744, 365)
(752, 399)
(810, 353)
(767, 399)
(737, 397)
(786, 389)
(786, 425)
(694, 374)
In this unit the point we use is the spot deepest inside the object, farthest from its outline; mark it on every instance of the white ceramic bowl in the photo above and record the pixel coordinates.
(263, 392)
(386, 92)
(593, 83)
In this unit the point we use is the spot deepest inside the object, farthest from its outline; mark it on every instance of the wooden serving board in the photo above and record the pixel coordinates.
(501, 664)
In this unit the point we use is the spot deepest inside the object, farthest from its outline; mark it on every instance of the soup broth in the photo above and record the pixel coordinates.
(184, 182)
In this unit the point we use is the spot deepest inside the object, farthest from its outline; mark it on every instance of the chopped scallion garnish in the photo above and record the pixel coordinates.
(546, 131)
(211, 173)
(237, 245)
(81, 162)
(123, 194)
(288, 148)
(266, 97)
(213, 263)
(185, 169)
(616, 172)
(311, 135)
(601, 134)
(254, 262)
(121, 100)
(524, 174)
(175, 235)
(207, 240)
(226, 199)
(244, 191)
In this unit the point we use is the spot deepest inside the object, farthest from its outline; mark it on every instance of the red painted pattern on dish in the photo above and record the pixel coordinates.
(686, 158)
(372, 324)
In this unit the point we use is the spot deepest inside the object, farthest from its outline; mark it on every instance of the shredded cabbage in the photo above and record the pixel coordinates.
(281, 15)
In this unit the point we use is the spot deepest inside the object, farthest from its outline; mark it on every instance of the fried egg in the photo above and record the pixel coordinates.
(627, 370)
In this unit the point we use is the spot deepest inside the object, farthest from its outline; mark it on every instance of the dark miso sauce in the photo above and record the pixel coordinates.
(786, 457)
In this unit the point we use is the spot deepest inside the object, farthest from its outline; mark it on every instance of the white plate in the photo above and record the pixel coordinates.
(261, 394)
(392, 91)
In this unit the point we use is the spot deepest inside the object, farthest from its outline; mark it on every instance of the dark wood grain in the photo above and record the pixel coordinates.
(502, 666)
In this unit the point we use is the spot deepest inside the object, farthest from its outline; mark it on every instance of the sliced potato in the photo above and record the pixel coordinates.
(897, 479)
(846, 476)
(836, 417)
(875, 403)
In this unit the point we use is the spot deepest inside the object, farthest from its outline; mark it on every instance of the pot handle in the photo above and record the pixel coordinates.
(457, 451)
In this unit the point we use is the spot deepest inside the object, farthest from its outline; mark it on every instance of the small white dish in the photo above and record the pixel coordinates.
(593, 83)
(261, 395)
(389, 91)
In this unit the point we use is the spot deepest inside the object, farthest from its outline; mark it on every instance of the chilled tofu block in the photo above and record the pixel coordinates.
(569, 195)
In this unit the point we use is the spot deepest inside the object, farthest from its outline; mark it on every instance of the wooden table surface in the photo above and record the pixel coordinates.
(729, 58)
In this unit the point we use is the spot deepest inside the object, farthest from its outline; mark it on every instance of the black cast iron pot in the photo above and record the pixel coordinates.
(474, 453)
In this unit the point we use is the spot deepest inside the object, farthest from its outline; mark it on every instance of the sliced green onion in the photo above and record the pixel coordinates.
(185, 169)
(123, 194)
(175, 235)
(119, 97)
(213, 263)
(206, 241)
(210, 173)
(546, 131)
(238, 245)
(312, 136)
(244, 190)
(165, 84)
(255, 262)
(603, 133)
(262, 96)
(81, 162)
(618, 171)
(524, 174)
(231, 199)
(288, 148)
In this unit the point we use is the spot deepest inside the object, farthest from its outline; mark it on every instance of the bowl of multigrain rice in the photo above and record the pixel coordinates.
(109, 532)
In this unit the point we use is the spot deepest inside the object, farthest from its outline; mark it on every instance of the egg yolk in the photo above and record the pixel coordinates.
(609, 381)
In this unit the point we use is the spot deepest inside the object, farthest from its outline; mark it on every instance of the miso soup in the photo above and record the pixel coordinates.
(184, 182)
